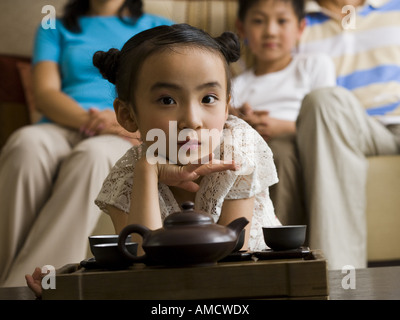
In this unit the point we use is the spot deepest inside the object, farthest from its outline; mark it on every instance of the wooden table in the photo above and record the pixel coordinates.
(381, 283)
(302, 276)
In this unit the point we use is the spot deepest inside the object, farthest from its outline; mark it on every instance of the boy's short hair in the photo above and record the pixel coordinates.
(245, 5)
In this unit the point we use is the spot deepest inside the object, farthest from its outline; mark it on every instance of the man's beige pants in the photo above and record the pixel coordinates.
(334, 138)
(49, 179)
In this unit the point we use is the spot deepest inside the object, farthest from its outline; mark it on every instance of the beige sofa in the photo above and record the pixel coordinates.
(17, 24)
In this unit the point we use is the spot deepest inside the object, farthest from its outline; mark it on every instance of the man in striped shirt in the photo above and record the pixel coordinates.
(338, 128)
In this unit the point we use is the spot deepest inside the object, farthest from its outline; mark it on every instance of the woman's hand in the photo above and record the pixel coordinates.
(105, 122)
(100, 122)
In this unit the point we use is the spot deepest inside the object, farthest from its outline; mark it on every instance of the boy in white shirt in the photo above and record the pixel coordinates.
(270, 94)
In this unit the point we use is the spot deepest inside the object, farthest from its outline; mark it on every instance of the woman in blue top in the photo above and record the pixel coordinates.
(52, 171)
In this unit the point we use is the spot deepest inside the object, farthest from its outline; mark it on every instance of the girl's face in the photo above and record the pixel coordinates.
(272, 30)
(182, 94)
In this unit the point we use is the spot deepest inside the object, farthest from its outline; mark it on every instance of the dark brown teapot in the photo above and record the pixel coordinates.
(187, 238)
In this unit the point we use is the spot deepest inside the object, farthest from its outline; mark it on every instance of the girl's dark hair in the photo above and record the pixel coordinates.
(245, 5)
(122, 67)
(74, 9)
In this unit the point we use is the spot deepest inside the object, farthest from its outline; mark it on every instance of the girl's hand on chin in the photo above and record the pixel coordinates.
(185, 176)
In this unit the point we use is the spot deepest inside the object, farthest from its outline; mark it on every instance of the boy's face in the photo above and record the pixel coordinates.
(182, 94)
(271, 29)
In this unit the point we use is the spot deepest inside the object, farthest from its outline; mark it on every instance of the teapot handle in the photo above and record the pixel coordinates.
(133, 228)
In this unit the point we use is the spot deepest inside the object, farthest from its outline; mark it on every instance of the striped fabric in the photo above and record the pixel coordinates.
(367, 57)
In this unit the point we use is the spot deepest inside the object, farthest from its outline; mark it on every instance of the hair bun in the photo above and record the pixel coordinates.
(107, 63)
(230, 46)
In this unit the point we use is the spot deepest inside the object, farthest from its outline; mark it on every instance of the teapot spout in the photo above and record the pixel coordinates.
(238, 225)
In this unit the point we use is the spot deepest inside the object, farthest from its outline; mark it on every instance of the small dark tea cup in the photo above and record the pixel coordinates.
(106, 253)
(285, 237)
(104, 238)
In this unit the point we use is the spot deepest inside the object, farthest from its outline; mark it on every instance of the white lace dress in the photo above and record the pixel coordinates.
(257, 172)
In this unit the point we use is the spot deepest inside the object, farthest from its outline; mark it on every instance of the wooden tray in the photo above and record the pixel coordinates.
(301, 278)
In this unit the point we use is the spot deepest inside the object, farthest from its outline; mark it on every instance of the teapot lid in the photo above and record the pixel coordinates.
(188, 216)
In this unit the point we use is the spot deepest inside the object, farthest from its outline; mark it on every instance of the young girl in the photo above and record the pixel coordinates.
(270, 94)
(178, 77)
